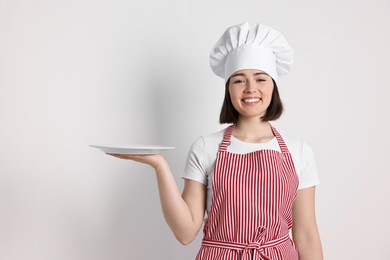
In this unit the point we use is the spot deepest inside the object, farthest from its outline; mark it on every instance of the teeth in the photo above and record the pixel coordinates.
(251, 100)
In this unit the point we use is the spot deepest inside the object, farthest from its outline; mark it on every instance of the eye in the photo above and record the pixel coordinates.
(238, 81)
(260, 80)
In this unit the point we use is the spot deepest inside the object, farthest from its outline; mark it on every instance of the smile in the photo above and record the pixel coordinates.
(251, 100)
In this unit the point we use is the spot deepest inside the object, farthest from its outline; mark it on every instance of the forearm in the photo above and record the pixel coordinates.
(309, 248)
(183, 214)
(176, 212)
(304, 230)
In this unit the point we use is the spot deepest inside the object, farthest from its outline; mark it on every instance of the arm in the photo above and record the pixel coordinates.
(305, 232)
(183, 213)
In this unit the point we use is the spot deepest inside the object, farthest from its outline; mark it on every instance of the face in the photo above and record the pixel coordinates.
(251, 92)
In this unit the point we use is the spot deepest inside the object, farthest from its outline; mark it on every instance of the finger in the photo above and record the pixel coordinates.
(127, 156)
(121, 156)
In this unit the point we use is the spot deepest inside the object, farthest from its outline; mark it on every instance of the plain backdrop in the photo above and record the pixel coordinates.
(74, 73)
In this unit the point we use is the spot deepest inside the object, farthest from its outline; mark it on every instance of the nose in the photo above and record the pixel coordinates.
(250, 86)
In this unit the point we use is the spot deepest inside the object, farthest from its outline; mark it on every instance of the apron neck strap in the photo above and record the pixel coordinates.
(226, 138)
(282, 144)
(229, 131)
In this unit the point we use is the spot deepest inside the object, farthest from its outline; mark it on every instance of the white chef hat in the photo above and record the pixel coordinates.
(251, 46)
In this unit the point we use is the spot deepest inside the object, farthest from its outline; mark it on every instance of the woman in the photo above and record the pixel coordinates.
(254, 185)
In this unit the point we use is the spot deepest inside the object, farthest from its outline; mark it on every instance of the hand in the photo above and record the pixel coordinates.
(154, 160)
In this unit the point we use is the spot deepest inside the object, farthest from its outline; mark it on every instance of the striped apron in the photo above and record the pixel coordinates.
(251, 210)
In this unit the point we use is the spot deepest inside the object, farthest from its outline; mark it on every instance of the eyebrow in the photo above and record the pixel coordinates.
(254, 74)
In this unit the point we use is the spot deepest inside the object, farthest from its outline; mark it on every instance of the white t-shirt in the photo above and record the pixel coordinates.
(203, 153)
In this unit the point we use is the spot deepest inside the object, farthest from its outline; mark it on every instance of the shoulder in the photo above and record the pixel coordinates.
(205, 148)
(213, 138)
(299, 149)
(304, 161)
(207, 144)
(297, 146)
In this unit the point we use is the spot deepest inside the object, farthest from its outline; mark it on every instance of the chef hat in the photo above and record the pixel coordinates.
(251, 46)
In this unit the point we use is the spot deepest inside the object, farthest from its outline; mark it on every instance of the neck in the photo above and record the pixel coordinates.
(253, 130)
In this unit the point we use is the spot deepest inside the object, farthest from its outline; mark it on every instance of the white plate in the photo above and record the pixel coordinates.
(132, 149)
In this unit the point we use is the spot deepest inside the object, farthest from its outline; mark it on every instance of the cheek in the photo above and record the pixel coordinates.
(235, 99)
(233, 94)
(268, 90)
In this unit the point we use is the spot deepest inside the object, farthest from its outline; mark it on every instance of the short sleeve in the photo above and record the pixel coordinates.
(195, 165)
(307, 174)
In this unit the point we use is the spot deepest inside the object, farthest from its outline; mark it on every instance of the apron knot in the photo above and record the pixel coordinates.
(255, 247)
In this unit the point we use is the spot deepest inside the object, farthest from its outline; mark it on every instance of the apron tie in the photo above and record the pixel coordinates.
(253, 249)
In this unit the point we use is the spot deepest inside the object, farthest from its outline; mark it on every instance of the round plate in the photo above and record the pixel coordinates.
(132, 149)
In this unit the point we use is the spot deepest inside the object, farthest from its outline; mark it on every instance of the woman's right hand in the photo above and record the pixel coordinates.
(154, 160)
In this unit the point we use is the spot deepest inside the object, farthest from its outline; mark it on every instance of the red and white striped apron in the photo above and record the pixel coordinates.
(251, 209)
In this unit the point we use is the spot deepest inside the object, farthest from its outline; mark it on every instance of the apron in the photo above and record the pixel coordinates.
(251, 210)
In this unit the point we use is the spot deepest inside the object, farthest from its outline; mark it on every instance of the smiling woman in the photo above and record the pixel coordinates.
(248, 184)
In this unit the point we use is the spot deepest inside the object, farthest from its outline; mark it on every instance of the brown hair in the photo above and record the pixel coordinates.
(230, 115)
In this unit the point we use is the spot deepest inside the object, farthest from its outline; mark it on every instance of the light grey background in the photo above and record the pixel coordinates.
(74, 73)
